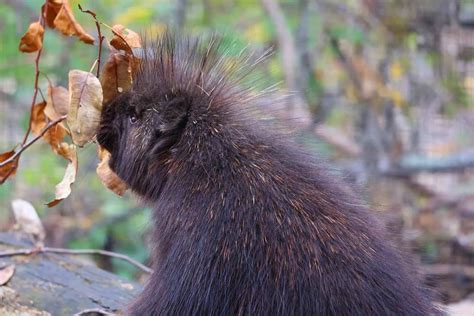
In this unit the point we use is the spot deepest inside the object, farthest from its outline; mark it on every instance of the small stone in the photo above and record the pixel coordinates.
(127, 286)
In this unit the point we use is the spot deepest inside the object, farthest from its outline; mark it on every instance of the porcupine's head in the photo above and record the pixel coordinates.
(183, 88)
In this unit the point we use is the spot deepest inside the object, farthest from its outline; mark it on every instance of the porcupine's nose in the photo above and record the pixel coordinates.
(106, 136)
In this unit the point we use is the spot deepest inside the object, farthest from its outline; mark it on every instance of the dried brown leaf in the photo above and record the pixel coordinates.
(27, 219)
(85, 107)
(38, 118)
(63, 188)
(54, 135)
(50, 10)
(66, 23)
(107, 176)
(116, 76)
(67, 151)
(6, 274)
(10, 168)
(132, 39)
(58, 102)
(32, 41)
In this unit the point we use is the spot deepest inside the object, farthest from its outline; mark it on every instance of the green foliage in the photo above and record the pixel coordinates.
(11, 65)
(460, 98)
(430, 251)
(351, 34)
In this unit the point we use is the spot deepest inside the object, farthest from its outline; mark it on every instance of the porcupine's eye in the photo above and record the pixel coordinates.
(132, 115)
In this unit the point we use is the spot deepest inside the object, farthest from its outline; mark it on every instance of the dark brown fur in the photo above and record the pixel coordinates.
(245, 221)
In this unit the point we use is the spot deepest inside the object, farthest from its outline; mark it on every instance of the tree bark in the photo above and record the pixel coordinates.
(296, 106)
(53, 284)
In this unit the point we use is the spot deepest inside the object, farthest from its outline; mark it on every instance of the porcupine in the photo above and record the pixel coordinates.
(245, 220)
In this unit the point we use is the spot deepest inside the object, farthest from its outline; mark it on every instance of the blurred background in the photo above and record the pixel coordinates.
(385, 89)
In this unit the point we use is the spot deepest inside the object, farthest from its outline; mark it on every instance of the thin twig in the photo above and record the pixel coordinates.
(93, 66)
(85, 81)
(41, 94)
(33, 101)
(99, 34)
(101, 39)
(20, 252)
(102, 253)
(24, 146)
(17, 252)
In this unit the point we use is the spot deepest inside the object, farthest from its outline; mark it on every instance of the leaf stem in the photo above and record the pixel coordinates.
(33, 101)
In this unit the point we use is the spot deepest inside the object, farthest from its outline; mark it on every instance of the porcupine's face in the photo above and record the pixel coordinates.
(139, 129)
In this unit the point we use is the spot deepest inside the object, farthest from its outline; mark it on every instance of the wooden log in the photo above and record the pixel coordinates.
(54, 284)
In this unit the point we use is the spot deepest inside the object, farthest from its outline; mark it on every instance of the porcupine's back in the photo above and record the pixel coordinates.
(246, 222)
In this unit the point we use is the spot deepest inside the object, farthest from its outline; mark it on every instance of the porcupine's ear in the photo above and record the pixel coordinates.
(174, 117)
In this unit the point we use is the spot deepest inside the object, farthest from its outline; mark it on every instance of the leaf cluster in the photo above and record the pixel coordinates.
(69, 117)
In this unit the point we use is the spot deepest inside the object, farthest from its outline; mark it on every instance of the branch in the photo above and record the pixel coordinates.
(448, 270)
(99, 34)
(302, 40)
(346, 63)
(32, 141)
(410, 165)
(336, 138)
(100, 252)
(365, 18)
(180, 14)
(285, 41)
(289, 60)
